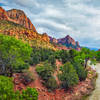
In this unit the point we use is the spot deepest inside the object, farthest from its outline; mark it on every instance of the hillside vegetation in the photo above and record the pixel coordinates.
(24, 34)
(24, 53)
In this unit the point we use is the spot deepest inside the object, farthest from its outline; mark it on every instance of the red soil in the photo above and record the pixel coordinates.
(59, 94)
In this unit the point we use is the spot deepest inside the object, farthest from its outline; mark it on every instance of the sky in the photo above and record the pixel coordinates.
(78, 18)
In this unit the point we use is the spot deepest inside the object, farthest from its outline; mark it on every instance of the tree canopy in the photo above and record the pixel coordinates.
(68, 75)
(13, 54)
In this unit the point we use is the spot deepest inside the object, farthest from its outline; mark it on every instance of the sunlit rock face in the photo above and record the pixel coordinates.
(16, 16)
(3, 14)
(19, 17)
(67, 41)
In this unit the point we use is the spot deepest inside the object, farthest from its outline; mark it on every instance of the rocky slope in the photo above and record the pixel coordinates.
(67, 41)
(19, 17)
(3, 14)
(16, 16)
(15, 23)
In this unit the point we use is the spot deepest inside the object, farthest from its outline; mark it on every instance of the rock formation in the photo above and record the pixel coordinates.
(67, 41)
(19, 17)
(16, 16)
(3, 14)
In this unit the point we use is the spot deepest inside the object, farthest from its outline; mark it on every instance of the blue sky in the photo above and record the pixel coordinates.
(77, 18)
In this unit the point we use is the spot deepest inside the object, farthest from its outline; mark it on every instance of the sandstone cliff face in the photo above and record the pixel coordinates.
(53, 40)
(3, 14)
(67, 41)
(16, 16)
(45, 37)
(30, 33)
(19, 17)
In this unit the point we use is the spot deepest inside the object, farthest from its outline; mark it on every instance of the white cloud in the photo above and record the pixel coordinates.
(54, 24)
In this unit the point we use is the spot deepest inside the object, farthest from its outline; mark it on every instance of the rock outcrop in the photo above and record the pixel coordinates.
(19, 17)
(16, 16)
(45, 37)
(67, 41)
(53, 40)
(3, 14)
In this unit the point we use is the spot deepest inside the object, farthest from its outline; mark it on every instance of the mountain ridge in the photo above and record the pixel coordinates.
(68, 42)
(29, 32)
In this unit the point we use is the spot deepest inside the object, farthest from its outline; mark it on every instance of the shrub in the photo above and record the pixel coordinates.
(52, 59)
(7, 93)
(81, 71)
(68, 75)
(29, 94)
(27, 77)
(6, 88)
(45, 71)
(51, 83)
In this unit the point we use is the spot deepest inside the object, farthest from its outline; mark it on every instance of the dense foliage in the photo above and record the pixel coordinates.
(41, 54)
(45, 71)
(6, 88)
(14, 55)
(7, 92)
(28, 94)
(98, 55)
(80, 70)
(68, 75)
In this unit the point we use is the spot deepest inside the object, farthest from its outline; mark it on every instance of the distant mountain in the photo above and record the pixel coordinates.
(67, 41)
(15, 23)
(96, 49)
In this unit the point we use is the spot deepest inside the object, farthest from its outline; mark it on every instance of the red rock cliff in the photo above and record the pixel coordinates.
(3, 14)
(16, 16)
(19, 17)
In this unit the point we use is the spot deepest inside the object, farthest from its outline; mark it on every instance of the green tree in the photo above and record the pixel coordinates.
(13, 54)
(51, 83)
(52, 59)
(81, 71)
(45, 71)
(6, 88)
(68, 75)
(29, 94)
(88, 55)
(7, 92)
(62, 55)
(98, 55)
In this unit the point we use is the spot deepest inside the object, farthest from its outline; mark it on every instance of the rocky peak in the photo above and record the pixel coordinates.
(45, 37)
(67, 41)
(54, 40)
(19, 17)
(3, 14)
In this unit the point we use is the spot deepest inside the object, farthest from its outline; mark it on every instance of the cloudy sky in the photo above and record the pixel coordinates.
(77, 18)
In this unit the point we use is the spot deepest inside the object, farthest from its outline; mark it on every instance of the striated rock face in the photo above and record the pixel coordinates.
(3, 14)
(67, 41)
(53, 40)
(16, 16)
(45, 37)
(19, 17)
